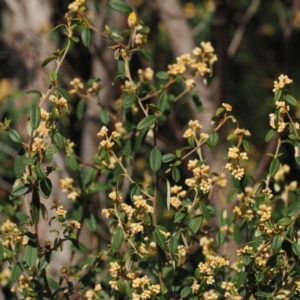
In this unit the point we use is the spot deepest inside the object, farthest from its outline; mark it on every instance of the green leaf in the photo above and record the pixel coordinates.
(35, 206)
(35, 116)
(14, 135)
(236, 233)
(117, 239)
(179, 216)
(20, 190)
(185, 292)
(1, 252)
(72, 161)
(291, 100)
(120, 6)
(269, 135)
(296, 249)
(293, 209)
(213, 139)
(104, 116)
(74, 39)
(258, 186)
(140, 138)
(19, 166)
(155, 159)
(173, 245)
(204, 211)
(146, 122)
(40, 171)
(47, 61)
(231, 195)
(162, 75)
(168, 157)
(78, 245)
(34, 92)
(128, 100)
(284, 221)
(159, 239)
(147, 54)
(80, 108)
(135, 191)
(53, 76)
(45, 260)
(63, 93)
(220, 238)
(95, 187)
(246, 145)
(91, 222)
(195, 224)
(277, 95)
(59, 140)
(45, 187)
(176, 174)
(276, 244)
(241, 277)
(30, 254)
(198, 103)
(16, 271)
(29, 161)
(274, 166)
(86, 36)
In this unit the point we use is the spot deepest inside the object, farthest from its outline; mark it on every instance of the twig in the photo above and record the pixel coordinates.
(235, 42)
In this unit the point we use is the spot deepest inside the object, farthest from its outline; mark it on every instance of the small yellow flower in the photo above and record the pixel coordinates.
(132, 19)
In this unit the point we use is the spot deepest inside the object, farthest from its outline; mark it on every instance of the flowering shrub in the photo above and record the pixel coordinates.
(164, 240)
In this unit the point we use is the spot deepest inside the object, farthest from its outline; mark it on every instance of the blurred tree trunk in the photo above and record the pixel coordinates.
(26, 24)
(181, 39)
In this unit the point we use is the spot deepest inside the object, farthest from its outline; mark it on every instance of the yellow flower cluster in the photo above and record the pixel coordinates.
(129, 210)
(147, 74)
(208, 268)
(42, 130)
(115, 196)
(93, 294)
(231, 291)
(77, 85)
(9, 227)
(283, 80)
(141, 205)
(23, 284)
(281, 124)
(143, 288)
(264, 212)
(76, 5)
(67, 185)
(60, 102)
(201, 177)
(114, 269)
(107, 143)
(201, 63)
(38, 145)
(175, 201)
(136, 228)
(61, 212)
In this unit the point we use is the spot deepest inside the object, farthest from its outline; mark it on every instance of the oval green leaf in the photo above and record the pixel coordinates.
(146, 122)
(35, 116)
(63, 93)
(86, 36)
(155, 159)
(120, 6)
(291, 100)
(117, 238)
(14, 135)
(45, 187)
(162, 75)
